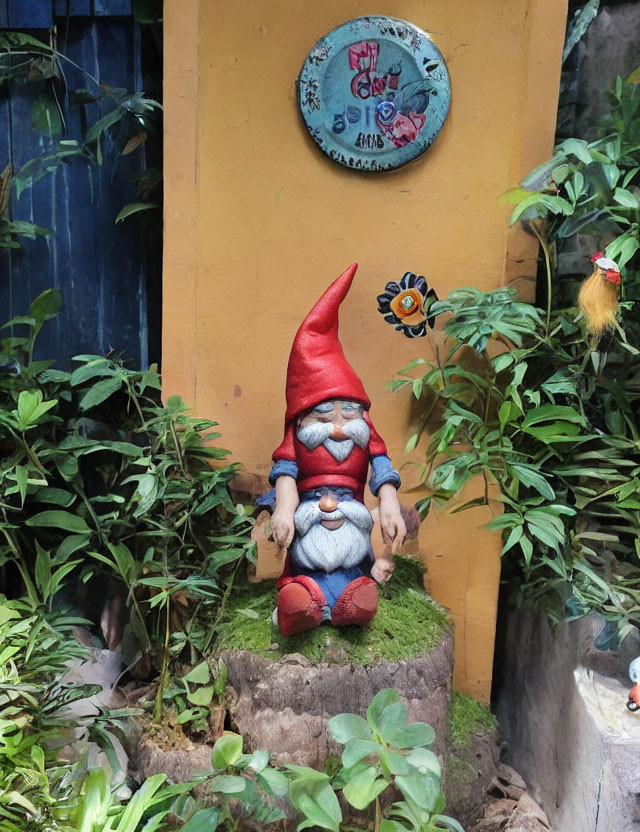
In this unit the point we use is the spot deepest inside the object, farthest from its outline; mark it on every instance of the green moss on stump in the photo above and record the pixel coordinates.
(467, 717)
(408, 624)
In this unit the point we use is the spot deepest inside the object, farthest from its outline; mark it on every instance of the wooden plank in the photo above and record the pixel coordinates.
(4, 14)
(98, 267)
(111, 8)
(72, 8)
(30, 14)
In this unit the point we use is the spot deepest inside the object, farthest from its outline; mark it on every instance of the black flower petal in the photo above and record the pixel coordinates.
(409, 280)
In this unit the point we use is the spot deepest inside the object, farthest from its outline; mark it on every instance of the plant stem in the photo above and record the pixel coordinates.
(376, 828)
(547, 262)
(163, 681)
(223, 604)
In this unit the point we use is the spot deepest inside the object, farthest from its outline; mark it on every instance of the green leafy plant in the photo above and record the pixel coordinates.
(98, 479)
(589, 187)
(381, 751)
(548, 426)
(128, 119)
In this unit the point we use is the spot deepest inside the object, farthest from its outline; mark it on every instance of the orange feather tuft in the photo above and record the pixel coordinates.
(598, 301)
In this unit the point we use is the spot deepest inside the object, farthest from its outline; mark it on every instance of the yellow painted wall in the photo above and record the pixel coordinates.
(258, 222)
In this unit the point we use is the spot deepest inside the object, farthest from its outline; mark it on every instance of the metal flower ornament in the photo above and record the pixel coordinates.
(406, 303)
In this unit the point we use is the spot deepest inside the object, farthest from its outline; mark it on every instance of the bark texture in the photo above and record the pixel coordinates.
(285, 706)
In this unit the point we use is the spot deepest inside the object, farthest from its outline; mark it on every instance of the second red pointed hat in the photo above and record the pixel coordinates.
(317, 369)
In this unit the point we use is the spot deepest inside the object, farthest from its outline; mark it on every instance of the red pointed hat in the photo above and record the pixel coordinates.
(317, 369)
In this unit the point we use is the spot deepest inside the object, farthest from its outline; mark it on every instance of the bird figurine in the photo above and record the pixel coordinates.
(633, 702)
(599, 294)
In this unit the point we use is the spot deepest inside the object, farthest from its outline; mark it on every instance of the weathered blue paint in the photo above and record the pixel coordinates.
(39, 14)
(30, 14)
(99, 267)
(111, 7)
(73, 8)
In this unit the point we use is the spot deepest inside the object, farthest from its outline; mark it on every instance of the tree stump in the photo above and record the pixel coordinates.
(288, 689)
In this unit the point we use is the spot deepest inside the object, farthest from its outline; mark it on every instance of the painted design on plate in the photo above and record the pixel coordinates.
(374, 93)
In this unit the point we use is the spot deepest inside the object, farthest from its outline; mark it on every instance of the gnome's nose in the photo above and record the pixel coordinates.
(328, 503)
(338, 434)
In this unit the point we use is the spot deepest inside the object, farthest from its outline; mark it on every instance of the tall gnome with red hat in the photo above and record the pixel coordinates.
(319, 473)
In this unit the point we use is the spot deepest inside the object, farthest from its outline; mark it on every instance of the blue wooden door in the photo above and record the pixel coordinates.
(99, 267)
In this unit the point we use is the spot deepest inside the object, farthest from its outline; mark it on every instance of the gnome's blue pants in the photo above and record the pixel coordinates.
(334, 583)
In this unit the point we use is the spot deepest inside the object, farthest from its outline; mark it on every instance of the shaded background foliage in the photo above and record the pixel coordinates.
(110, 276)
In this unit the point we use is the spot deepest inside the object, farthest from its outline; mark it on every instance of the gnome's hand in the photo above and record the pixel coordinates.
(287, 501)
(382, 570)
(392, 523)
(283, 528)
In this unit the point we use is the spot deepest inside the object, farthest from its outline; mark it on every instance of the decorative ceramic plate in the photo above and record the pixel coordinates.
(374, 93)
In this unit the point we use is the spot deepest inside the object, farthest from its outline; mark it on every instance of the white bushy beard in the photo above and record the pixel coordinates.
(317, 547)
(318, 433)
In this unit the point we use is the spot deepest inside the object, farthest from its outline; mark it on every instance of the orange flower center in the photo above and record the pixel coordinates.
(406, 303)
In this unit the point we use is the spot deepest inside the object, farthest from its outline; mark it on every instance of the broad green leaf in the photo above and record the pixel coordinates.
(55, 496)
(124, 560)
(31, 408)
(424, 760)
(422, 789)
(96, 801)
(364, 788)
(316, 800)
(258, 760)
(134, 208)
(47, 305)
(273, 780)
(43, 572)
(58, 520)
(394, 763)
(226, 751)
(45, 115)
(552, 412)
(625, 198)
(345, 727)
(533, 479)
(413, 734)
(70, 545)
(199, 675)
(228, 784)
(22, 478)
(94, 369)
(99, 392)
(139, 803)
(102, 125)
(378, 704)
(201, 696)
(391, 718)
(204, 820)
(579, 25)
(357, 749)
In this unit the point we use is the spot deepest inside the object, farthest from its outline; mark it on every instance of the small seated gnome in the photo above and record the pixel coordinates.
(599, 294)
(319, 472)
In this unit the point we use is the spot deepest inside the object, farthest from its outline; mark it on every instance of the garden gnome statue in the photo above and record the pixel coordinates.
(319, 473)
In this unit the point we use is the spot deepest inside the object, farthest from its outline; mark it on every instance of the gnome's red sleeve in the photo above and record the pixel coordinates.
(376, 442)
(285, 449)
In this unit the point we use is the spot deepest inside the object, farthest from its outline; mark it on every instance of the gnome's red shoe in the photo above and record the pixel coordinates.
(300, 603)
(357, 604)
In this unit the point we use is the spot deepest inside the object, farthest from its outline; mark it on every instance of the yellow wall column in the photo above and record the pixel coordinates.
(258, 222)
